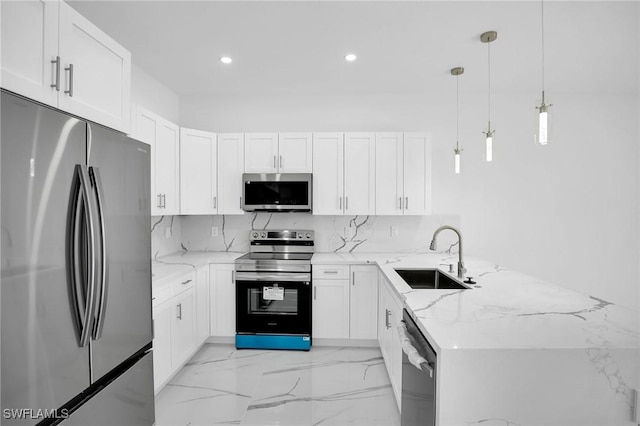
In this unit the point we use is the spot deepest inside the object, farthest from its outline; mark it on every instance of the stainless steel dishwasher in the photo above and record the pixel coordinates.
(419, 374)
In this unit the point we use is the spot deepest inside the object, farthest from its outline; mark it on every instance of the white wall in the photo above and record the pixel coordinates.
(567, 213)
(153, 95)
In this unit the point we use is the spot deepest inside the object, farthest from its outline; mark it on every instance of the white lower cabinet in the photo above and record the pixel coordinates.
(222, 291)
(345, 301)
(363, 318)
(389, 317)
(330, 308)
(161, 344)
(202, 304)
(174, 327)
(183, 326)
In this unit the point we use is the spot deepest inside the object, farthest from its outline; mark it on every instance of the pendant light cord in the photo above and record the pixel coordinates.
(542, 26)
(489, 79)
(457, 112)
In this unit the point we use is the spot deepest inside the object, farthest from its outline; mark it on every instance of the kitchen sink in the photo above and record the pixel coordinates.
(429, 279)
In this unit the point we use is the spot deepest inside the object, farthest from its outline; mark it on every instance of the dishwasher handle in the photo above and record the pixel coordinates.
(412, 353)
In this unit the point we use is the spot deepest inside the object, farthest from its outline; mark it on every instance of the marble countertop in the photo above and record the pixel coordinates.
(505, 309)
(168, 267)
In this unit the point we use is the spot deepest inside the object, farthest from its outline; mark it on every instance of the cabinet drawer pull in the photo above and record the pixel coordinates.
(70, 91)
(186, 282)
(57, 71)
(330, 272)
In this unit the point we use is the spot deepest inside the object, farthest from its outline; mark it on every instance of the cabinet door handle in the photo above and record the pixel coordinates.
(387, 314)
(340, 204)
(315, 292)
(281, 161)
(186, 282)
(159, 201)
(57, 71)
(346, 203)
(164, 201)
(70, 91)
(353, 278)
(274, 161)
(406, 203)
(179, 316)
(240, 203)
(215, 202)
(400, 202)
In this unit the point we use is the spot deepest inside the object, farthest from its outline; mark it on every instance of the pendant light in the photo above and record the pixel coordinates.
(487, 38)
(542, 134)
(457, 71)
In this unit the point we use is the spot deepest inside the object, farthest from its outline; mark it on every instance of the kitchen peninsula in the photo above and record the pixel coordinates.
(512, 349)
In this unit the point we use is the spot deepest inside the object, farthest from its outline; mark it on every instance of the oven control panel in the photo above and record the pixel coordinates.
(281, 235)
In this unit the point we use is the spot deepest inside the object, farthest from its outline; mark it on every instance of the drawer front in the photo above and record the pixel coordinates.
(185, 282)
(161, 294)
(331, 272)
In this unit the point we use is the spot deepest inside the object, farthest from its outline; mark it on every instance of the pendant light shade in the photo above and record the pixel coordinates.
(543, 131)
(488, 37)
(456, 72)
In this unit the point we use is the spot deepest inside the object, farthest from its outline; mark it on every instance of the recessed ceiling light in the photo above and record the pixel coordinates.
(225, 60)
(350, 57)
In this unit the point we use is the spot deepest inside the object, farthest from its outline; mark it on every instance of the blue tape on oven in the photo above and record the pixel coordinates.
(273, 341)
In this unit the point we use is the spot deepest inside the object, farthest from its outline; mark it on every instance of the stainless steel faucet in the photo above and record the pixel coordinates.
(461, 269)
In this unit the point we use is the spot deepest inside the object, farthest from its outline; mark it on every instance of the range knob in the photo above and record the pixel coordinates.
(263, 235)
(255, 235)
(307, 235)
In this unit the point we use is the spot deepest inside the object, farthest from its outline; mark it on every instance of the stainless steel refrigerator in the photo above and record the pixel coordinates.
(75, 272)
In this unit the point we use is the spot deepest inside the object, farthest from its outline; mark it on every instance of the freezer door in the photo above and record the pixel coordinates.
(43, 365)
(120, 167)
(126, 401)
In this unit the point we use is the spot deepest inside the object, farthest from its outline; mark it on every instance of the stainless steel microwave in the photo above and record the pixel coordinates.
(276, 192)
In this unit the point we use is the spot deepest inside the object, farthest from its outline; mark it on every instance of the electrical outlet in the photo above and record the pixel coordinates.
(394, 231)
(214, 231)
(167, 232)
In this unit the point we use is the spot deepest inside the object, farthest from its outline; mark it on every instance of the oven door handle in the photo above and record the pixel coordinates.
(261, 276)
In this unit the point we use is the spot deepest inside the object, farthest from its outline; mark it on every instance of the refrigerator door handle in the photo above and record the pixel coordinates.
(82, 252)
(96, 183)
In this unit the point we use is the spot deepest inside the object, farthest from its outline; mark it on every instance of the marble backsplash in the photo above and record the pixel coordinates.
(340, 234)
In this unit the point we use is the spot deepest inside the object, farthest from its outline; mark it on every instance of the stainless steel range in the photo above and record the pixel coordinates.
(273, 291)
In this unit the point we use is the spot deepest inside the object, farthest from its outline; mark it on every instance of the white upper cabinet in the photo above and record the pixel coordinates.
(97, 72)
(328, 178)
(52, 54)
(295, 153)
(230, 168)
(359, 173)
(417, 174)
(261, 153)
(164, 138)
(278, 153)
(29, 44)
(389, 166)
(403, 174)
(198, 172)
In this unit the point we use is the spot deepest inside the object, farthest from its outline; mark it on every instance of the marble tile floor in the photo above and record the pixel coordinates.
(326, 386)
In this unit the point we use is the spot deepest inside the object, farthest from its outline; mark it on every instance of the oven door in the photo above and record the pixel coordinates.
(273, 303)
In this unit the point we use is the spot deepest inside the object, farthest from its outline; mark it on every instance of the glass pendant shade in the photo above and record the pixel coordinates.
(489, 149)
(457, 161)
(543, 131)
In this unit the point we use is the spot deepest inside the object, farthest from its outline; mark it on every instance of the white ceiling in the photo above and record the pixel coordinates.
(298, 47)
